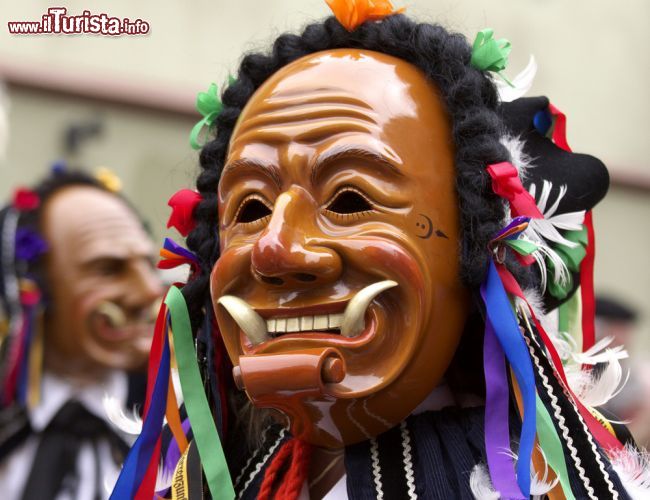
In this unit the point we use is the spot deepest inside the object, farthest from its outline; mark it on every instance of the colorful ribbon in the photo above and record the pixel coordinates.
(146, 449)
(196, 404)
(500, 316)
(173, 255)
(606, 440)
(489, 54)
(183, 203)
(353, 13)
(209, 105)
(507, 185)
(497, 435)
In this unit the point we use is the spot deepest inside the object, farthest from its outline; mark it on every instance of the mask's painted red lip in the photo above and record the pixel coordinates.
(292, 312)
(294, 341)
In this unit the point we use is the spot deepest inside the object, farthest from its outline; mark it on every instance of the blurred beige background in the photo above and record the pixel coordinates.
(592, 56)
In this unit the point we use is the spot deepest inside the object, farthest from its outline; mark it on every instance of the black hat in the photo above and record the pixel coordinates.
(585, 176)
(580, 181)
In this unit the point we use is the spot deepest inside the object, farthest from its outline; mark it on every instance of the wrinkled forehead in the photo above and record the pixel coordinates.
(349, 82)
(85, 223)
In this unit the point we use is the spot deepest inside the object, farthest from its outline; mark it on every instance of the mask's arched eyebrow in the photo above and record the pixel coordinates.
(255, 166)
(352, 152)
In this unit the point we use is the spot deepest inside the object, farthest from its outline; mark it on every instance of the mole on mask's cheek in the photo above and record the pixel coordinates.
(337, 290)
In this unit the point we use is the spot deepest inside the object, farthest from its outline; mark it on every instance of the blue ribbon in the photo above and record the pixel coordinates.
(502, 318)
(135, 466)
(23, 374)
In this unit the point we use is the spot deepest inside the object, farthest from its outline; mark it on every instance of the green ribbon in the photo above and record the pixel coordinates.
(209, 105)
(207, 439)
(570, 319)
(522, 247)
(557, 290)
(572, 257)
(552, 447)
(489, 54)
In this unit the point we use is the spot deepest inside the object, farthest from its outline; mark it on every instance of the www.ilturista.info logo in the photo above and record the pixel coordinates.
(57, 22)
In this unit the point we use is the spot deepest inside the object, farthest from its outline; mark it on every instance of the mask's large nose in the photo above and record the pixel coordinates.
(290, 251)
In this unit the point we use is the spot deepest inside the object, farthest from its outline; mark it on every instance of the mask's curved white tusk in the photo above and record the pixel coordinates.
(354, 316)
(113, 313)
(252, 324)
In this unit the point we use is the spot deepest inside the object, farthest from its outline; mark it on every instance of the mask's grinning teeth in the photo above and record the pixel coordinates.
(320, 322)
(349, 324)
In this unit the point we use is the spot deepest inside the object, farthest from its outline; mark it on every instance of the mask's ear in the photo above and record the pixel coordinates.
(565, 185)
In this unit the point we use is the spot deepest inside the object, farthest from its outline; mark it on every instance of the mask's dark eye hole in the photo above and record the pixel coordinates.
(252, 210)
(349, 202)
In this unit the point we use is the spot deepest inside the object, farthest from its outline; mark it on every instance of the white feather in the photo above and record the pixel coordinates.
(521, 83)
(116, 415)
(633, 469)
(560, 272)
(164, 478)
(595, 390)
(543, 231)
(176, 384)
(538, 486)
(565, 345)
(541, 486)
(481, 484)
(518, 157)
(597, 353)
(546, 227)
(483, 489)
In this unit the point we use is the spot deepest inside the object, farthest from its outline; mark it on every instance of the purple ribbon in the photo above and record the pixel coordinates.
(174, 247)
(514, 222)
(29, 244)
(497, 432)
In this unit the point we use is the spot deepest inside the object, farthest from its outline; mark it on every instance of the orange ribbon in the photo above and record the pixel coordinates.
(352, 13)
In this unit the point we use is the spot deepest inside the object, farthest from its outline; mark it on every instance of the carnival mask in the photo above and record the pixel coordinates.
(337, 291)
(102, 282)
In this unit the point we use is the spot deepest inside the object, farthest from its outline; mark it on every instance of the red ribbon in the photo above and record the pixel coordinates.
(587, 287)
(183, 203)
(25, 200)
(559, 128)
(506, 183)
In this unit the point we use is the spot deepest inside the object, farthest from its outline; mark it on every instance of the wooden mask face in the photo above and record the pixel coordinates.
(102, 281)
(337, 291)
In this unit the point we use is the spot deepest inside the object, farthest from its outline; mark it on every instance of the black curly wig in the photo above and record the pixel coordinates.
(468, 94)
